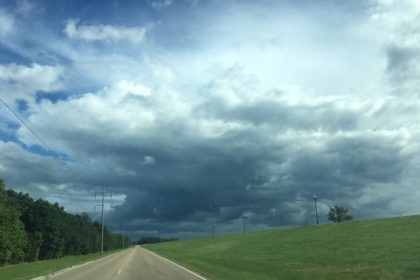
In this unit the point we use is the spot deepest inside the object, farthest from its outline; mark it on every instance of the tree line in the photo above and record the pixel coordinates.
(154, 239)
(32, 230)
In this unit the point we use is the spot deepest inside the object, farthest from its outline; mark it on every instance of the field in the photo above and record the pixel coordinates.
(380, 249)
(30, 270)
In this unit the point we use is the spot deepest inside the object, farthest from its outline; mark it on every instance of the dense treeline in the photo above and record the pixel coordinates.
(154, 239)
(33, 230)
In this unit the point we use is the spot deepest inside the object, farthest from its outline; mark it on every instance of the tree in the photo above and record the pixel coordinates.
(33, 230)
(339, 214)
(13, 238)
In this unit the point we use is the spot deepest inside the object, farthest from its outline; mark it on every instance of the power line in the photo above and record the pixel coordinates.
(25, 124)
(46, 146)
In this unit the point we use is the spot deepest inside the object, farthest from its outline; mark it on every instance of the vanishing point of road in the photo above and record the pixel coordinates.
(134, 263)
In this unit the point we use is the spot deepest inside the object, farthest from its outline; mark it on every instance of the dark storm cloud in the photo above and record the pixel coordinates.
(200, 176)
(267, 165)
(22, 166)
(247, 171)
(356, 158)
(283, 116)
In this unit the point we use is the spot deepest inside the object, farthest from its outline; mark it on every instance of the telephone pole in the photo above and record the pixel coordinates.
(123, 237)
(102, 194)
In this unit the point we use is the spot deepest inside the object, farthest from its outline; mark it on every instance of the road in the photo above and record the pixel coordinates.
(134, 263)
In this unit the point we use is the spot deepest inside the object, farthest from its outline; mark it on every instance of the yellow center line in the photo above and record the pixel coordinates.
(127, 260)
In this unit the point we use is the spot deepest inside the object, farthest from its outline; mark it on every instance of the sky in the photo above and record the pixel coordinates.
(201, 112)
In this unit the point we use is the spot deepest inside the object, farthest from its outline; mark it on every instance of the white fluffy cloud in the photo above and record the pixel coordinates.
(103, 32)
(22, 81)
(126, 109)
(38, 77)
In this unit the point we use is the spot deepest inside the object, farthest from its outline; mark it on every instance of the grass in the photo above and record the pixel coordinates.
(31, 270)
(380, 249)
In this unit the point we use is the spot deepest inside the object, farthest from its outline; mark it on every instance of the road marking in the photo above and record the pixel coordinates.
(177, 265)
(127, 260)
(54, 273)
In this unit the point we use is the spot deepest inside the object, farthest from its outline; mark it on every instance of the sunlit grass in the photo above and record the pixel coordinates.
(381, 249)
(31, 270)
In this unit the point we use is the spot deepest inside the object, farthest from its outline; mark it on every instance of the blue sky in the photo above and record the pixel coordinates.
(197, 112)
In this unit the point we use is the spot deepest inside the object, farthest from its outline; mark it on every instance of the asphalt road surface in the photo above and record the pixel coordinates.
(134, 263)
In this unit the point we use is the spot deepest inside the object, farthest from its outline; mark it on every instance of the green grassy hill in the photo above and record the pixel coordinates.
(380, 249)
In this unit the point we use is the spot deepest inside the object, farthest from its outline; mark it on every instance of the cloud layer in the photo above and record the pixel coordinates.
(221, 111)
(107, 33)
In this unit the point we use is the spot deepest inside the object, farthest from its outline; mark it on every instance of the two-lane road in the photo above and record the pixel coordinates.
(134, 263)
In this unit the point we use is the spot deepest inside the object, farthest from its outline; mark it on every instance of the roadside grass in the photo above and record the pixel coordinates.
(31, 270)
(380, 249)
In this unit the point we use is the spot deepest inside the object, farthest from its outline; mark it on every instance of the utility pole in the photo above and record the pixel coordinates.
(212, 229)
(123, 237)
(316, 210)
(244, 218)
(102, 193)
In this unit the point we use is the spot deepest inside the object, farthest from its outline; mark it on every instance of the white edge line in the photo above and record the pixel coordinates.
(177, 265)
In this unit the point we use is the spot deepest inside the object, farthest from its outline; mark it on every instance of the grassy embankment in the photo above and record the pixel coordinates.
(380, 249)
(31, 270)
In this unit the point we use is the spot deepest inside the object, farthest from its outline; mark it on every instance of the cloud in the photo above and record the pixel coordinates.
(403, 68)
(160, 4)
(210, 160)
(24, 7)
(228, 110)
(107, 33)
(6, 23)
(23, 82)
(19, 165)
(401, 24)
(39, 77)
(148, 160)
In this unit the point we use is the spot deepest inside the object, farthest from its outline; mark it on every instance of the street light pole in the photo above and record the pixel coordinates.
(244, 222)
(316, 210)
